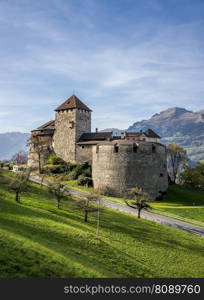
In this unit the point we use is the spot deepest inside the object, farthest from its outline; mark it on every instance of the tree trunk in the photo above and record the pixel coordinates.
(86, 216)
(17, 197)
(139, 211)
(39, 163)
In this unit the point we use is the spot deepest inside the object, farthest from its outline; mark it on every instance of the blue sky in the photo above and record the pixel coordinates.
(126, 59)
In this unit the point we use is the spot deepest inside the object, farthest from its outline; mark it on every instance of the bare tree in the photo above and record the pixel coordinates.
(38, 144)
(57, 189)
(19, 184)
(88, 205)
(19, 158)
(139, 200)
(176, 160)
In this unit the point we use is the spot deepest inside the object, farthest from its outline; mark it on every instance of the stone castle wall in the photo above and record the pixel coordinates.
(45, 148)
(69, 126)
(125, 169)
(84, 154)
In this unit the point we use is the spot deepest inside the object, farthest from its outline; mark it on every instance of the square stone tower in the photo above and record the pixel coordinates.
(73, 118)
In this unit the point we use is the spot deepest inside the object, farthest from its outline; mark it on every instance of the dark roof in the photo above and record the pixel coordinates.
(46, 129)
(150, 133)
(48, 125)
(72, 102)
(121, 142)
(95, 136)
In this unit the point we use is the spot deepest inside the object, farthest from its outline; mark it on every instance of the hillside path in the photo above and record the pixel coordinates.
(144, 214)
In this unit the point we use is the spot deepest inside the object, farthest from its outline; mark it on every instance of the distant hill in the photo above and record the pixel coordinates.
(180, 126)
(11, 143)
(115, 131)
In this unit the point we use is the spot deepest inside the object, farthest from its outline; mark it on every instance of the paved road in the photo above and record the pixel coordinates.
(144, 214)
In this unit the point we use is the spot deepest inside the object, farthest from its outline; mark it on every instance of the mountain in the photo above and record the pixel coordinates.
(11, 143)
(180, 126)
(115, 131)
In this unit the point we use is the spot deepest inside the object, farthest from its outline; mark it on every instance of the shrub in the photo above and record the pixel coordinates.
(83, 180)
(87, 172)
(55, 160)
(193, 177)
(54, 169)
(84, 170)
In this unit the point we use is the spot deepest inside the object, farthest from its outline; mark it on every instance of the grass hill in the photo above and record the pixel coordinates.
(39, 240)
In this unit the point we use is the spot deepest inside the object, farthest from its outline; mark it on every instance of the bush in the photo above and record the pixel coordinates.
(55, 160)
(54, 169)
(83, 180)
(193, 177)
(87, 172)
(84, 170)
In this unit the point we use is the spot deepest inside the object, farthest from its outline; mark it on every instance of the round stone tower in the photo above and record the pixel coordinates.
(119, 165)
(73, 118)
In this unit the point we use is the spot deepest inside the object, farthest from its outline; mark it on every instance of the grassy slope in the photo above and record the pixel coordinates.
(187, 203)
(181, 203)
(37, 240)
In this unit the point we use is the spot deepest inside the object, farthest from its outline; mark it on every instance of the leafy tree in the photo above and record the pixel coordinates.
(139, 200)
(193, 177)
(176, 160)
(57, 189)
(88, 205)
(19, 184)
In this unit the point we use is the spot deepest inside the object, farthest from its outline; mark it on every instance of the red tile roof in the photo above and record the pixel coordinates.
(72, 102)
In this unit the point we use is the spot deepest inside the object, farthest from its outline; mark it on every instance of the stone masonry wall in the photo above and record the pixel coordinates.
(84, 154)
(126, 169)
(46, 149)
(69, 126)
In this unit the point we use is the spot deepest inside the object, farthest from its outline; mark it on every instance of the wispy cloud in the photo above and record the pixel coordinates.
(125, 68)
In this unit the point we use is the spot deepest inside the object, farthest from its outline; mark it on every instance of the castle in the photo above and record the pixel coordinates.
(118, 162)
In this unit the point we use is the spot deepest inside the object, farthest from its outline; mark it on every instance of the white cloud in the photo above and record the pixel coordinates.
(125, 80)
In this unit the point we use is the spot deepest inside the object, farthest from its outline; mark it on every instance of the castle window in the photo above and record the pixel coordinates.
(71, 124)
(116, 148)
(161, 175)
(135, 148)
(97, 148)
(153, 149)
(82, 147)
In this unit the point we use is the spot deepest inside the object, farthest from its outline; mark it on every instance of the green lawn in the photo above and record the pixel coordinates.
(38, 240)
(183, 202)
(180, 203)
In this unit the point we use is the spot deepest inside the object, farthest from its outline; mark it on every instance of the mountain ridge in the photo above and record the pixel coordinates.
(11, 143)
(177, 125)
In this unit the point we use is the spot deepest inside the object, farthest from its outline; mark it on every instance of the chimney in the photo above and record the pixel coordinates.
(96, 130)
